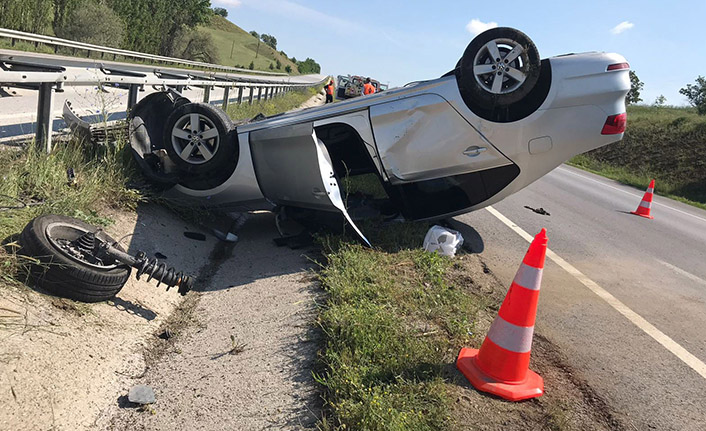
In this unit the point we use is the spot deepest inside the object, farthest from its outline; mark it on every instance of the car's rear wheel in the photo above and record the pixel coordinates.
(499, 68)
(200, 138)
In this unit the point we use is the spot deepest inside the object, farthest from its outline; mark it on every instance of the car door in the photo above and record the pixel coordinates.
(293, 168)
(422, 137)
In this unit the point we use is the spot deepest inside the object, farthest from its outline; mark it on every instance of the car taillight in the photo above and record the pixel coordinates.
(615, 124)
(618, 66)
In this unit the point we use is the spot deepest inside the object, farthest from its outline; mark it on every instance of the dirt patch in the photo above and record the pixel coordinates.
(63, 362)
(244, 360)
(568, 402)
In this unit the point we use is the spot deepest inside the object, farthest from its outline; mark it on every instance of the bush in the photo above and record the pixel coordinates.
(288, 69)
(220, 11)
(93, 23)
(251, 66)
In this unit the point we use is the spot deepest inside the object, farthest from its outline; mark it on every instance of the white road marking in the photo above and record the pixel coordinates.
(680, 271)
(692, 361)
(629, 193)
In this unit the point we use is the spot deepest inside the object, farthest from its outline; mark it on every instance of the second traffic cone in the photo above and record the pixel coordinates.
(643, 210)
(501, 366)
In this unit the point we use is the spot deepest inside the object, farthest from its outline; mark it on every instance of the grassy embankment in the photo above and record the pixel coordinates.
(394, 319)
(668, 144)
(226, 35)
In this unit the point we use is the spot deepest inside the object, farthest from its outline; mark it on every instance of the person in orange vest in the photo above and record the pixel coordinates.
(329, 91)
(368, 88)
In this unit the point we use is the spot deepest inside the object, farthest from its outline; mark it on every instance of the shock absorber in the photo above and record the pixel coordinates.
(152, 267)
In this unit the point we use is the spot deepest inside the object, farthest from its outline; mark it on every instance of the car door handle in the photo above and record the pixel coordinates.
(474, 150)
(318, 193)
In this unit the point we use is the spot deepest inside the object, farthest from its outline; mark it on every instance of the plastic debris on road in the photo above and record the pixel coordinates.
(443, 241)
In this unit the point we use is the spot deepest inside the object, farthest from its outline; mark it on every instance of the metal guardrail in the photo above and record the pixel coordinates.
(57, 42)
(48, 78)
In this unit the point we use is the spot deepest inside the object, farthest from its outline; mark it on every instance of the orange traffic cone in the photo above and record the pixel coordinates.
(643, 210)
(501, 366)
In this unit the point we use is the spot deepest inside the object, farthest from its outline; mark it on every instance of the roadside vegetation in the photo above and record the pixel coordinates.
(665, 143)
(276, 105)
(394, 319)
(34, 183)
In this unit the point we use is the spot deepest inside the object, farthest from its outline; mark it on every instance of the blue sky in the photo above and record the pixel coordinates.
(402, 41)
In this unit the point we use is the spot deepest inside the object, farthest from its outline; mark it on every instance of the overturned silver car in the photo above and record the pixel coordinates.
(499, 121)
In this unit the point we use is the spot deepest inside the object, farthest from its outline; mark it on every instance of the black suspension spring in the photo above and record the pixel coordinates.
(158, 270)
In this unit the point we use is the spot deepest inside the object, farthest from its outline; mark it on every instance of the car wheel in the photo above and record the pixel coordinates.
(499, 67)
(199, 138)
(63, 267)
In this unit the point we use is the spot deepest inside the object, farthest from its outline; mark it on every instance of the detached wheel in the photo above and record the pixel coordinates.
(200, 138)
(64, 268)
(499, 67)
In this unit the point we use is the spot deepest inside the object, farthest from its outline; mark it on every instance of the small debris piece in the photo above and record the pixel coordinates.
(539, 210)
(141, 394)
(166, 334)
(159, 255)
(198, 236)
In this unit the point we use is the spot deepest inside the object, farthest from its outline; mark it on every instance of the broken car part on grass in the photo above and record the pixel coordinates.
(501, 119)
(78, 261)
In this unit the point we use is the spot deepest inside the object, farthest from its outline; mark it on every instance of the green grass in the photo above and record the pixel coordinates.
(392, 322)
(40, 181)
(279, 104)
(665, 143)
(244, 49)
(639, 180)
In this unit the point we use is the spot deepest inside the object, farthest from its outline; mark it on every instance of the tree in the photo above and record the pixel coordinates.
(220, 11)
(696, 93)
(308, 66)
(660, 100)
(288, 69)
(269, 40)
(198, 45)
(252, 65)
(279, 64)
(636, 85)
(108, 30)
(254, 34)
(272, 66)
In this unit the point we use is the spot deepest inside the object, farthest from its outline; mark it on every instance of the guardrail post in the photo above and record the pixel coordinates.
(259, 94)
(226, 96)
(207, 94)
(267, 93)
(45, 102)
(132, 96)
(252, 90)
(240, 95)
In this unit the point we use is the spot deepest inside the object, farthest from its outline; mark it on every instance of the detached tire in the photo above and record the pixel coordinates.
(64, 274)
(200, 138)
(499, 68)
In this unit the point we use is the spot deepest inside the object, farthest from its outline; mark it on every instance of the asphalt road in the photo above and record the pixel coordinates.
(653, 271)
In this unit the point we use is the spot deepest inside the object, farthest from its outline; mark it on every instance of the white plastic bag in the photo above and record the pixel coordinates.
(444, 241)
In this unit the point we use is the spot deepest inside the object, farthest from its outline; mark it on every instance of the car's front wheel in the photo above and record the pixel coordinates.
(499, 68)
(200, 138)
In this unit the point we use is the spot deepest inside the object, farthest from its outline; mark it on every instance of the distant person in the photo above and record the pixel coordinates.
(329, 92)
(368, 88)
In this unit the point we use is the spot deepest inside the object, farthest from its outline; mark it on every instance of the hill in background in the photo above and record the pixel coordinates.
(228, 38)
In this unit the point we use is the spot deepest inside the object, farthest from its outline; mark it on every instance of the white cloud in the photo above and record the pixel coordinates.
(231, 3)
(625, 25)
(476, 26)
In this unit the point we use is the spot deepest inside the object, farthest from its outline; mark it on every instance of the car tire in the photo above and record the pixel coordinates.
(486, 75)
(212, 146)
(62, 274)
